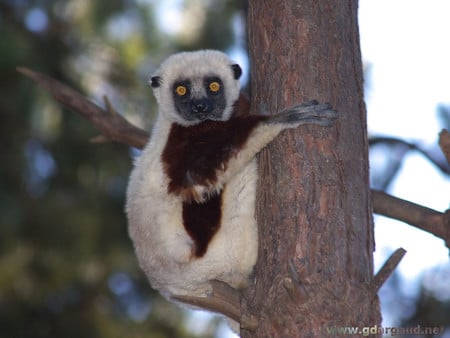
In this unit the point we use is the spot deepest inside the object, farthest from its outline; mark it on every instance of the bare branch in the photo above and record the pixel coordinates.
(110, 124)
(114, 127)
(429, 155)
(224, 300)
(421, 217)
(444, 143)
(387, 269)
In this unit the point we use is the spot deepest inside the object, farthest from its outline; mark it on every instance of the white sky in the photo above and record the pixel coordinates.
(408, 44)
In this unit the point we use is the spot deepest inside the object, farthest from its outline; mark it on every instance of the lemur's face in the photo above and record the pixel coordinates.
(199, 99)
(192, 87)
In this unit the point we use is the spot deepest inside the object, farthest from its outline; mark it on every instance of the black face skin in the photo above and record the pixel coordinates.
(209, 107)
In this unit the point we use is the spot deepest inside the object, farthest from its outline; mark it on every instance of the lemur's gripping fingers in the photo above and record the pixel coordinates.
(310, 112)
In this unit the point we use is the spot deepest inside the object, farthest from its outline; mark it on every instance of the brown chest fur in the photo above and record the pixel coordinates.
(195, 156)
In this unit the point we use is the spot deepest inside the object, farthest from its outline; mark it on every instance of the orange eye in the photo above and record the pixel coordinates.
(214, 86)
(181, 90)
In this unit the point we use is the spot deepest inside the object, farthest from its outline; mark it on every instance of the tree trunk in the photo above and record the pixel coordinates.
(315, 265)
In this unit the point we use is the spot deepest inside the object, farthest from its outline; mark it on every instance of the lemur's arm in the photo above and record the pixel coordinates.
(307, 113)
(268, 128)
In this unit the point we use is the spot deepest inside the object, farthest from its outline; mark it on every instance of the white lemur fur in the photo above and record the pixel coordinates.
(191, 194)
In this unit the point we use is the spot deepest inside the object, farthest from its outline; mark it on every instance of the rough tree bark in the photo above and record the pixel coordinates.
(315, 268)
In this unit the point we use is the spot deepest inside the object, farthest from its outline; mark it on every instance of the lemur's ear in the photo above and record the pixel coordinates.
(237, 71)
(155, 81)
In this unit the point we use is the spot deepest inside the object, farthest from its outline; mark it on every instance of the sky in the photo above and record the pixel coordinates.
(406, 44)
(407, 47)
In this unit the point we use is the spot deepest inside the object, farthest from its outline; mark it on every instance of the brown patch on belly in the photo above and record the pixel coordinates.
(202, 221)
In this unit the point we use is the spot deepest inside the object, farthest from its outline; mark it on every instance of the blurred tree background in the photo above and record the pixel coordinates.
(67, 266)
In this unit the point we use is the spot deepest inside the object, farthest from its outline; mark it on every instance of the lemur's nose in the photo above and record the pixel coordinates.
(200, 106)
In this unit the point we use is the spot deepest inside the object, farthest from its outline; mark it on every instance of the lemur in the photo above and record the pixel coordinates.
(191, 195)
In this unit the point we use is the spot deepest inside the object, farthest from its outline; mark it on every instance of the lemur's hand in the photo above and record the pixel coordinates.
(310, 112)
